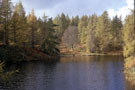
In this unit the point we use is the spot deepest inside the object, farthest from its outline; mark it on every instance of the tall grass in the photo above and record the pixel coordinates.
(1, 67)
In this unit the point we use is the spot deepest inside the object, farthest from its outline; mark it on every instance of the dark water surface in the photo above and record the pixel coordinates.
(70, 73)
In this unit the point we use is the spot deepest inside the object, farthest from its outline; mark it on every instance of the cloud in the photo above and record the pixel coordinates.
(123, 11)
(71, 7)
(40, 4)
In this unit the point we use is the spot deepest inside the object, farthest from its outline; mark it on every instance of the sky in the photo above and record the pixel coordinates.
(78, 7)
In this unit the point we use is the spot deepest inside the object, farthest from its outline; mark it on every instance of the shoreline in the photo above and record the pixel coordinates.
(92, 54)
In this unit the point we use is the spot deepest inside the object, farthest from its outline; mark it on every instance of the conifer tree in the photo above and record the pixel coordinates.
(103, 32)
(63, 22)
(44, 31)
(1, 31)
(19, 24)
(116, 32)
(50, 40)
(129, 36)
(75, 21)
(57, 21)
(5, 19)
(82, 27)
(91, 45)
(14, 25)
(32, 21)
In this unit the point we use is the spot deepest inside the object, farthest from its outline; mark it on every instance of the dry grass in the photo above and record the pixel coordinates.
(130, 71)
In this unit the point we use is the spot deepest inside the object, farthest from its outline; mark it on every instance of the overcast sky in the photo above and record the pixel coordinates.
(78, 7)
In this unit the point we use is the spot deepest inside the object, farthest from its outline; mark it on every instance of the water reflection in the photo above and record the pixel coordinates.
(71, 73)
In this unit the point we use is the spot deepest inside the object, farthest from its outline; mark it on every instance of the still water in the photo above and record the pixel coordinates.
(70, 73)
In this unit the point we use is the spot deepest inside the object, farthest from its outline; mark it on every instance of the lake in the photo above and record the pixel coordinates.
(70, 73)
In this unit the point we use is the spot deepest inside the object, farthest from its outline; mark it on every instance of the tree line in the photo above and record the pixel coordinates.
(96, 34)
(26, 31)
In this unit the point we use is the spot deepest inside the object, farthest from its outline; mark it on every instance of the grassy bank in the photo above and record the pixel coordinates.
(130, 72)
(82, 52)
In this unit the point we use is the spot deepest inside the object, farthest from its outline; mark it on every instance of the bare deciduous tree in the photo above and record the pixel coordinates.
(70, 36)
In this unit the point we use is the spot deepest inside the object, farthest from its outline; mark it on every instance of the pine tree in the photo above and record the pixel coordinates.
(14, 25)
(6, 18)
(44, 31)
(68, 21)
(103, 32)
(1, 31)
(0, 11)
(19, 24)
(57, 21)
(116, 32)
(32, 21)
(129, 36)
(91, 37)
(63, 22)
(75, 21)
(50, 41)
(82, 27)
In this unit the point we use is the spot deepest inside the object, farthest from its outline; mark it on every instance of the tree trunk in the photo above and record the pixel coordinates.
(6, 34)
(72, 47)
(32, 38)
(14, 35)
